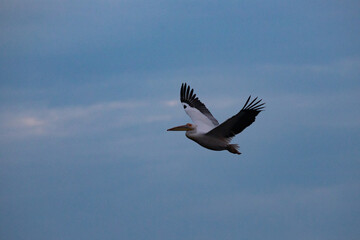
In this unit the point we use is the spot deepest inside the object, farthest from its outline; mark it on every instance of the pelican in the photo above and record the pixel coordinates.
(206, 130)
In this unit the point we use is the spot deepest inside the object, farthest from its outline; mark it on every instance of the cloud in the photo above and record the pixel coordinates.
(72, 120)
(325, 109)
(171, 103)
(31, 122)
(341, 67)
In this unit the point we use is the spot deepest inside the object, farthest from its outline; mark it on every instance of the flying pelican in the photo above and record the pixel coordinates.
(206, 130)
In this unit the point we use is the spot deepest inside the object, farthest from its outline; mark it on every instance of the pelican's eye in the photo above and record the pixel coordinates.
(184, 106)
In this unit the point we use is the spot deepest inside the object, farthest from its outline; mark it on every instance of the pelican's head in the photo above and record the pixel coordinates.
(186, 127)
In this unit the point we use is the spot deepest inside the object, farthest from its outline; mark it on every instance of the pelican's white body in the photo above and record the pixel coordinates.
(207, 141)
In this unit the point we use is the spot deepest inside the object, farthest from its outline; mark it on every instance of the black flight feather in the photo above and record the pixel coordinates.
(189, 97)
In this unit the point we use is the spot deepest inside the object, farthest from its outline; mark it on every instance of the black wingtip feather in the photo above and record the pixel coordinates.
(188, 96)
(253, 105)
(250, 105)
(182, 91)
(246, 102)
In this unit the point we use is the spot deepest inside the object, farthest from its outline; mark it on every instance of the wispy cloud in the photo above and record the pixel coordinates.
(71, 120)
(171, 103)
(343, 67)
(325, 109)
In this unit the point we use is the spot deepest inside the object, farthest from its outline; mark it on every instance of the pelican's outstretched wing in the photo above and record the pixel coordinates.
(196, 110)
(239, 122)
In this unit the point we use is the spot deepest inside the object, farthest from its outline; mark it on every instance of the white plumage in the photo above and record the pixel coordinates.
(206, 130)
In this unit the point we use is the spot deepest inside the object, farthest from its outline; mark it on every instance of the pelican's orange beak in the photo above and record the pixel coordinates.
(180, 128)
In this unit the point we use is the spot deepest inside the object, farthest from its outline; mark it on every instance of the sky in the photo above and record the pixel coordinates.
(88, 89)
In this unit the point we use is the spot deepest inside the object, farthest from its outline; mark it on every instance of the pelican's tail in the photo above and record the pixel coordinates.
(233, 148)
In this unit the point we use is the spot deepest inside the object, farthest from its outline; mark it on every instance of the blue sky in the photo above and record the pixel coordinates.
(88, 89)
